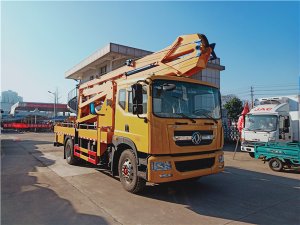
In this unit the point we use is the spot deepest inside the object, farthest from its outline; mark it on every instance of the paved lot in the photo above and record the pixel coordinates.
(38, 187)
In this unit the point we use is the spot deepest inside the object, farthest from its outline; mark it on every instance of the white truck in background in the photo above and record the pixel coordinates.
(275, 119)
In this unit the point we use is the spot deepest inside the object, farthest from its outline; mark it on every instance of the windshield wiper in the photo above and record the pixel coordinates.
(254, 130)
(207, 116)
(187, 117)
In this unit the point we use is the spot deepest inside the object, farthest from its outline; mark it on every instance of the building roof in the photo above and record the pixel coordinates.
(31, 106)
(110, 52)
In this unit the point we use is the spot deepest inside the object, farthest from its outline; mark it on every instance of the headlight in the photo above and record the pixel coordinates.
(207, 137)
(161, 165)
(221, 158)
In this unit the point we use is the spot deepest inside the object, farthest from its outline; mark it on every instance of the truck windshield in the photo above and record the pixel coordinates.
(174, 99)
(261, 122)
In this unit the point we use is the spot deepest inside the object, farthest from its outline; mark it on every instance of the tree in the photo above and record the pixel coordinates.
(234, 108)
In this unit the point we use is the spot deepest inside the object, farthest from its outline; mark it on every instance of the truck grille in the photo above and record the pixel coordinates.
(250, 143)
(198, 164)
(184, 137)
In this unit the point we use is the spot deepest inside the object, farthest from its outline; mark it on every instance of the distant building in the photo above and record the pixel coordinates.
(38, 108)
(8, 99)
(34, 116)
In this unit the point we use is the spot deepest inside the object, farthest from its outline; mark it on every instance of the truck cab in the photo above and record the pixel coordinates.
(176, 127)
(274, 120)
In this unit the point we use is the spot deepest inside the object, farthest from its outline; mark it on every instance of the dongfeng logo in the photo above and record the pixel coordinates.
(196, 138)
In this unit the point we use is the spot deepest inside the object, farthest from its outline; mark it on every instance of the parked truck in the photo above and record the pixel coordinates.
(275, 119)
(149, 121)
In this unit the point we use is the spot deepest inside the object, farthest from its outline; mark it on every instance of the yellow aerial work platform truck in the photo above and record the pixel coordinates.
(148, 120)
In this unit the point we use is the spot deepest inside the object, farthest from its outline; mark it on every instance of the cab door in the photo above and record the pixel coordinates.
(129, 125)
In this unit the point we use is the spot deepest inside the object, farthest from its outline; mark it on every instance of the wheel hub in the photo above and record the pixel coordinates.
(127, 170)
(68, 152)
(275, 164)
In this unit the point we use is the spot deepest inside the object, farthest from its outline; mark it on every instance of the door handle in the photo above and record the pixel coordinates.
(126, 128)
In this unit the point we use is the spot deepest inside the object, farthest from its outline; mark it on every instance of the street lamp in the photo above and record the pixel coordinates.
(54, 94)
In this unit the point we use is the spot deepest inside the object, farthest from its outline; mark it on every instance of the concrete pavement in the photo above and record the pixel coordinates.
(38, 187)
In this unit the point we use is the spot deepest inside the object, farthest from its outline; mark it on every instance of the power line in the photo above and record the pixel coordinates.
(239, 89)
(274, 91)
(271, 95)
(243, 96)
(285, 89)
(238, 93)
(279, 90)
(263, 88)
(275, 85)
(267, 93)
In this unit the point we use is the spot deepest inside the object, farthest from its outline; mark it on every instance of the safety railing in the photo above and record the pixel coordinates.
(87, 126)
(72, 100)
(64, 124)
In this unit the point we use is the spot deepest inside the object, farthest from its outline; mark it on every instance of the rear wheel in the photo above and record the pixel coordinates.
(251, 154)
(128, 172)
(69, 153)
(275, 164)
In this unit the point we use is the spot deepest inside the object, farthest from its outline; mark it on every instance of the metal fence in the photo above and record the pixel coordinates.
(231, 133)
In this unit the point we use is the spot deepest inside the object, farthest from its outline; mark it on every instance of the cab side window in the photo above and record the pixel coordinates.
(122, 98)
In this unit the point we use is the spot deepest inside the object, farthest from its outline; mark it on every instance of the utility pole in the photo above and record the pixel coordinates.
(55, 99)
(252, 97)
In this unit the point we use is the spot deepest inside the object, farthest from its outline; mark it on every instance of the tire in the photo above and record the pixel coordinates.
(251, 154)
(69, 153)
(275, 164)
(128, 172)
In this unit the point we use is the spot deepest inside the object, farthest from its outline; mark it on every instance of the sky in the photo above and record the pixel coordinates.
(258, 42)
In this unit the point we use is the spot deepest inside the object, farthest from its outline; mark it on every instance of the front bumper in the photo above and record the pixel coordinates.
(185, 167)
(247, 148)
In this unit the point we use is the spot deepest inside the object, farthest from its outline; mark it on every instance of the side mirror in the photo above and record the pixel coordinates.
(137, 94)
(286, 130)
(137, 109)
(286, 123)
(137, 101)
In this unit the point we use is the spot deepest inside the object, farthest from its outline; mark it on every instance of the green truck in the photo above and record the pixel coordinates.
(279, 155)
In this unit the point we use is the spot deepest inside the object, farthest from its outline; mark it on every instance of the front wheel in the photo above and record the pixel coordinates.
(275, 164)
(128, 172)
(251, 154)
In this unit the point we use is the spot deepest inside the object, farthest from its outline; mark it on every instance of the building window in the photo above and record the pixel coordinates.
(122, 98)
(103, 70)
